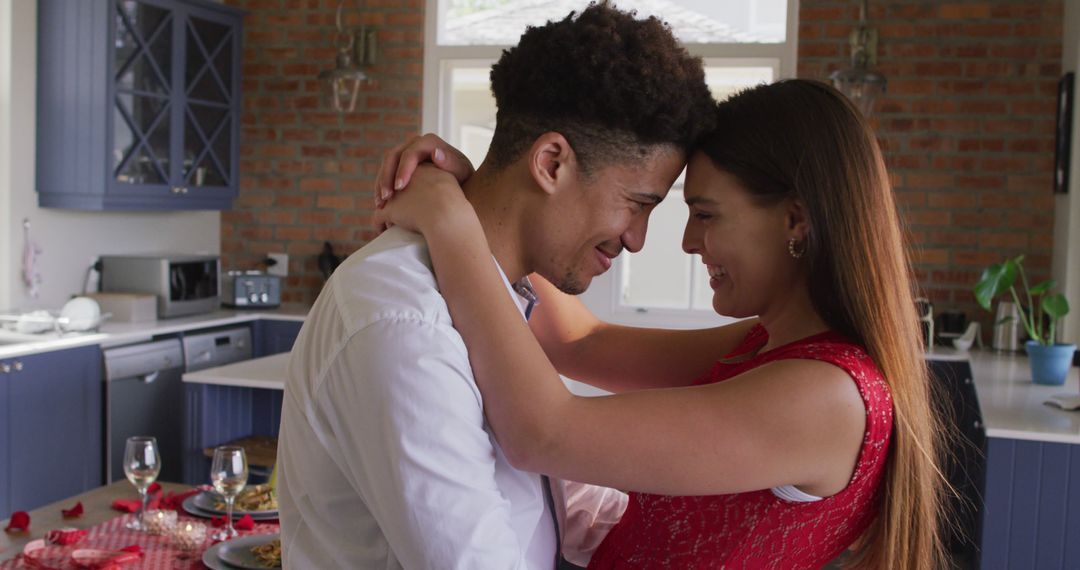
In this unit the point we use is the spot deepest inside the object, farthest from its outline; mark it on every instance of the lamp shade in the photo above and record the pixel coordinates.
(341, 87)
(862, 86)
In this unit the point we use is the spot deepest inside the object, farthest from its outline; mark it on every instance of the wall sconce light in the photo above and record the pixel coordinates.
(356, 48)
(860, 82)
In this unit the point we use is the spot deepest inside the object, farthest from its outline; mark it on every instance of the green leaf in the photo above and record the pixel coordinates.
(1055, 305)
(995, 280)
(1043, 287)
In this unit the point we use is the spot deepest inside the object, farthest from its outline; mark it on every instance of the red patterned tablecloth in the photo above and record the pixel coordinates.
(158, 551)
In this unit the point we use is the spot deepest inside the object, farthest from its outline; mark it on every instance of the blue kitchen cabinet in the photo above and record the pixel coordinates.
(1032, 509)
(138, 104)
(53, 422)
(217, 414)
(5, 452)
(274, 336)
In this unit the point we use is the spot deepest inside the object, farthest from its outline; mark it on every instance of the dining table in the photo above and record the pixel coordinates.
(105, 529)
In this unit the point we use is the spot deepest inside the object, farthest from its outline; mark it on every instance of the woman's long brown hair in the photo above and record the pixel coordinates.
(803, 139)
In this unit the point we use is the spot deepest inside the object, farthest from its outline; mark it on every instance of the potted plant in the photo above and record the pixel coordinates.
(1040, 314)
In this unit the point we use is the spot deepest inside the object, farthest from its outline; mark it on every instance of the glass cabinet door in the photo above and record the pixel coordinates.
(209, 103)
(142, 110)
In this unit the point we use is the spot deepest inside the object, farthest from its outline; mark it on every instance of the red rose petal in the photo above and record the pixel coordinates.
(65, 536)
(217, 521)
(153, 488)
(175, 501)
(134, 548)
(73, 512)
(127, 505)
(20, 521)
(245, 523)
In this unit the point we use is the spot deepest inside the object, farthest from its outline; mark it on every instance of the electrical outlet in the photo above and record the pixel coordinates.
(281, 267)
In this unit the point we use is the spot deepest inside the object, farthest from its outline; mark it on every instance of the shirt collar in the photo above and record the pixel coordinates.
(524, 294)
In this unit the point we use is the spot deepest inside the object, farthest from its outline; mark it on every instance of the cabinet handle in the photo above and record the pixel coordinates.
(5, 368)
(183, 189)
(179, 190)
(18, 366)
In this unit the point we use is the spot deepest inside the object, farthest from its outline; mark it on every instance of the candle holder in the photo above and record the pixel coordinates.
(159, 522)
(188, 537)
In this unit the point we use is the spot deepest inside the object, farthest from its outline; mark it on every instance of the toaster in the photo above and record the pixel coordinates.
(250, 289)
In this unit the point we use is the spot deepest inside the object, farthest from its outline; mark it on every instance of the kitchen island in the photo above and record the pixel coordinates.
(1012, 405)
(1030, 510)
(268, 372)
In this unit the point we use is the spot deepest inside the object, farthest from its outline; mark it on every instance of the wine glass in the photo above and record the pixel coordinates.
(142, 463)
(228, 473)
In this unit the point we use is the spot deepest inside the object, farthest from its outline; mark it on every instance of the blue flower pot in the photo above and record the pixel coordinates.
(1049, 364)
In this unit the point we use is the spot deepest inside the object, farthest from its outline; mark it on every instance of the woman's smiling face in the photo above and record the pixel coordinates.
(742, 243)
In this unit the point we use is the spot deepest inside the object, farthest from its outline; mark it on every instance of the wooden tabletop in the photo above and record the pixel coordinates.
(97, 505)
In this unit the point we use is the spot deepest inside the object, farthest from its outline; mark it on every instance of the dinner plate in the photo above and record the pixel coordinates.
(205, 500)
(237, 552)
(210, 558)
(190, 507)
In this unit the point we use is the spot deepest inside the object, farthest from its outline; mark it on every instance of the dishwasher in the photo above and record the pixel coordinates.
(144, 395)
(144, 391)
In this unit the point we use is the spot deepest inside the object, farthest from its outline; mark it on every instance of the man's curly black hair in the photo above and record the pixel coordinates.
(613, 85)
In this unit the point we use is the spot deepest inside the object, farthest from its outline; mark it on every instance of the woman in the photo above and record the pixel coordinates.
(813, 432)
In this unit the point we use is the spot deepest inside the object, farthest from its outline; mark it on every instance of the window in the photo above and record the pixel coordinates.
(743, 43)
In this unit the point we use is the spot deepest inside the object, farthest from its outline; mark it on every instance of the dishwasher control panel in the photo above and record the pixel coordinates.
(217, 348)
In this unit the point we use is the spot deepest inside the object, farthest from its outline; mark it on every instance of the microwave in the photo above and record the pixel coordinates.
(183, 284)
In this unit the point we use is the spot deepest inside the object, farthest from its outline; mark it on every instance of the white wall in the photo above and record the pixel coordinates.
(1066, 255)
(69, 239)
(5, 148)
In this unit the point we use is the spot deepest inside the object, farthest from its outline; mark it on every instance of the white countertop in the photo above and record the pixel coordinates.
(116, 334)
(1012, 405)
(266, 372)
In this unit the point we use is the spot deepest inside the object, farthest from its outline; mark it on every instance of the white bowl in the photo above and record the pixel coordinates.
(960, 343)
(80, 314)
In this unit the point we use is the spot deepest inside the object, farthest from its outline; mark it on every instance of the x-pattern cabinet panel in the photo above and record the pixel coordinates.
(139, 110)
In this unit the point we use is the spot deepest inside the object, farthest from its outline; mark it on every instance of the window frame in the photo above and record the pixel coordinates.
(604, 296)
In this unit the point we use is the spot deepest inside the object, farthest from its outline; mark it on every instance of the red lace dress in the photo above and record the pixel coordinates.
(757, 529)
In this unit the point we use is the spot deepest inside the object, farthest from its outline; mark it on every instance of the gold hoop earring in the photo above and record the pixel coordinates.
(795, 253)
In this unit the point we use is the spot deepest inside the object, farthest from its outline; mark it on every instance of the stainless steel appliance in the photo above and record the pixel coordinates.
(243, 289)
(183, 284)
(144, 396)
(216, 348)
(144, 392)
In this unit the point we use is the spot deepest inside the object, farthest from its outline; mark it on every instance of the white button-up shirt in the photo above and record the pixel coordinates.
(385, 459)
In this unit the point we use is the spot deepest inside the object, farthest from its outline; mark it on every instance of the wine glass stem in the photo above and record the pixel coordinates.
(142, 505)
(228, 511)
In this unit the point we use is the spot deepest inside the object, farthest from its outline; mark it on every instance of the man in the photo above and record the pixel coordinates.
(385, 458)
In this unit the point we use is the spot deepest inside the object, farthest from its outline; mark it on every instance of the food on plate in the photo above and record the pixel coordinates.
(268, 554)
(256, 498)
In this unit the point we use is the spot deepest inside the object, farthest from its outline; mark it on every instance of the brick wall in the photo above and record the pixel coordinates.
(967, 127)
(306, 172)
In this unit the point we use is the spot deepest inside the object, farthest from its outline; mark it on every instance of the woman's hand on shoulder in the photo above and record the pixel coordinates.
(400, 162)
(432, 203)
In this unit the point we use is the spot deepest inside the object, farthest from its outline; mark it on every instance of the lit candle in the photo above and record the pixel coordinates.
(189, 536)
(159, 522)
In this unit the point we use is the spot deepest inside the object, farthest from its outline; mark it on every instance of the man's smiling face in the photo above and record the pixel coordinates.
(586, 227)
